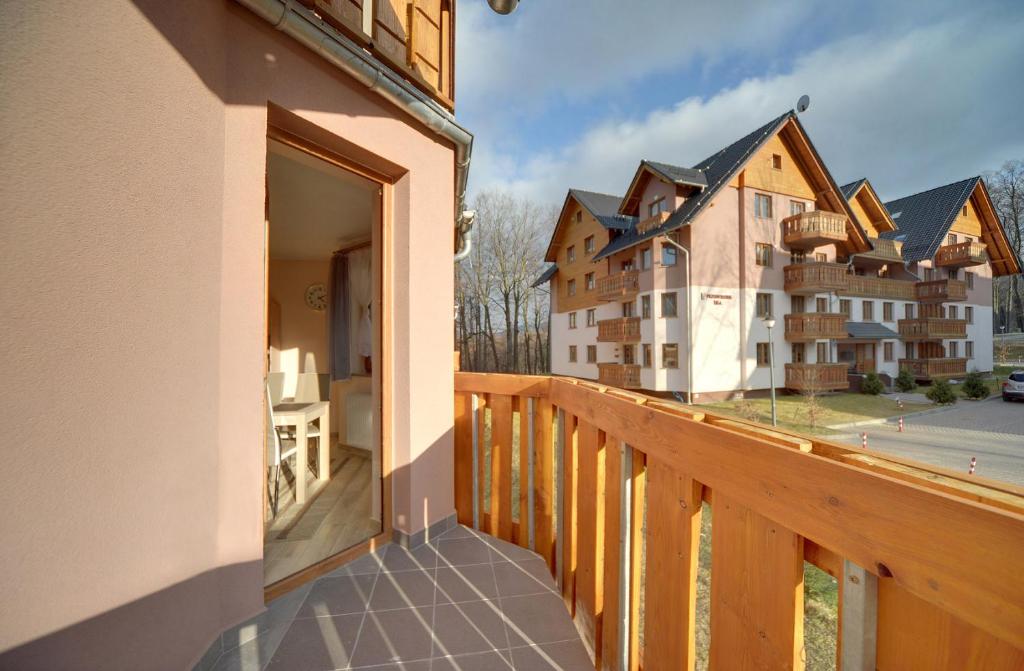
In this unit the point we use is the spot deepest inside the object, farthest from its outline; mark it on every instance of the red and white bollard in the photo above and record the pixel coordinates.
(864, 440)
(974, 462)
(901, 423)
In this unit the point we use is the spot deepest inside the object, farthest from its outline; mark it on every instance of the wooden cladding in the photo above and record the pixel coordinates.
(930, 328)
(939, 291)
(610, 474)
(813, 278)
(619, 286)
(807, 326)
(624, 375)
(413, 37)
(961, 255)
(807, 230)
(816, 376)
(932, 369)
(620, 329)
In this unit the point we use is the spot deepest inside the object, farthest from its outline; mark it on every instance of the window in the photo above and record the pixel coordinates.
(628, 354)
(668, 304)
(798, 351)
(645, 307)
(763, 254)
(952, 239)
(887, 312)
(867, 309)
(670, 355)
(570, 254)
(588, 281)
(822, 353)
(969, 314)
(648, 360)
(777, 161)
(668, 255)
(764, 306)
(929, 274)
(588, 244)
(954, 349)
(797, 207)
(592, 317)
(821, 304)
(762, 205)
(579, 216)
(797, 304)
(952, 273)
(887, 353)
(954, 312)
(571, 287)
(572, 353)
(820, 257)
(591, 353)
(645, 258)
(908, 350)
(908, 311)
(846, 307)
(763, 353)
(969, 277)
(628, 309)
(965, 211)
(657, 207)
(969, 349)
(572, 320)
(627, 265)
(797, 256)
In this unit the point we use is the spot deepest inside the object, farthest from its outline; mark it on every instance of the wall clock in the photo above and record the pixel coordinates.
(316, 297)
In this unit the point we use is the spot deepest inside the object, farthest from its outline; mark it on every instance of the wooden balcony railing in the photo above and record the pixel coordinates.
(413, 37)
(885, 251)
(652, 222)
(813, 278)
(816, 376)
(878, 287)
(941, 291)
(932, 328)
(961, 255)
(620, 329)
(618, 286)
(808, 230)
(927, 559)
(624, 375)
(933, 369)
(807, 326)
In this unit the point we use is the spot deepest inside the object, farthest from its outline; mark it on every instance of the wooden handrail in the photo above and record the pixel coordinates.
(917, 527)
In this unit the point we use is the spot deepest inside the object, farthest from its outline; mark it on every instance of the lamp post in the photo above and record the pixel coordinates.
(769, 322)
(689, 318)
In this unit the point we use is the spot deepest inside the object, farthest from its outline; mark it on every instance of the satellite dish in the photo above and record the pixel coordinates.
(803, 103)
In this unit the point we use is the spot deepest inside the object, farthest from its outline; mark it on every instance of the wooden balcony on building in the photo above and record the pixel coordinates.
(809, 326)
(932, 328)
(884, 252)
(816, 376)
(813, 278)
(624, 375)
(878, 287)
(415, 38)
(620, 329)
(808, 230)
(652, 222)
(961, 255)
(621, 543)
(618, 286)
(933, 369)
(941, 291)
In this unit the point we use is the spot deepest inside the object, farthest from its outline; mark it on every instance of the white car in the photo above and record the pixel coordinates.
(1013, 387)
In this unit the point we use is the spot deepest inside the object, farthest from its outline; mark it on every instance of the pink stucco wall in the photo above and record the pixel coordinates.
(133, 187)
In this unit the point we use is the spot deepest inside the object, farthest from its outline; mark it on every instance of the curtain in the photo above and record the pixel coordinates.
(339, 320)
(360, 277)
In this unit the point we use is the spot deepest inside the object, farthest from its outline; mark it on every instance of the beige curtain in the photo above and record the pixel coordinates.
(360, 282)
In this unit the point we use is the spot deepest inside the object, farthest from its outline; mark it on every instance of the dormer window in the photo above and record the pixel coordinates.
(657, 207)
(777, 161)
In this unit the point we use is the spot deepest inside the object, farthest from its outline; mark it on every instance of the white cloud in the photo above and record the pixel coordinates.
(909, 110)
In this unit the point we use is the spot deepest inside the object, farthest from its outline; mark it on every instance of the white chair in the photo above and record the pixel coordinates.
(278, 449)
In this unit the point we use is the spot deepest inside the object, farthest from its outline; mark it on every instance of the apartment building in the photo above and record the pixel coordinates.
(673, 286)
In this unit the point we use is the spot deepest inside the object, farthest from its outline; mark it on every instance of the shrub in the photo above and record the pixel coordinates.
(872, 385)
(905, 381)
(974, 385)
(940, 392)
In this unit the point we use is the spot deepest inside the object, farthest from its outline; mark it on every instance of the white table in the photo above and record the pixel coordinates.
(300, 415)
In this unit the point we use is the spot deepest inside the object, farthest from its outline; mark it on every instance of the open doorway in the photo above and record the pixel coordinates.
(323, 487)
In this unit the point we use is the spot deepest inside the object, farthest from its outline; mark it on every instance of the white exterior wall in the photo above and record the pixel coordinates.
(562, 337)
(980, 332)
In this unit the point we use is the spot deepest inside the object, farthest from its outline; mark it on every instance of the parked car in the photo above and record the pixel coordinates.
(1013, 387)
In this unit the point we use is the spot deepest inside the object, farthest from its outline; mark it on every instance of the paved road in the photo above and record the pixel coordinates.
(992, 431)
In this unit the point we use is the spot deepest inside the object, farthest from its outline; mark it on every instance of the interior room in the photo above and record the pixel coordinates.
(323, 484)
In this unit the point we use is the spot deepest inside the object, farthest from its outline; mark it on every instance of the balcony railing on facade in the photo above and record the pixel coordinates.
(813, 377)
(817, 228)
(940, 291)
(618, 286)
(415, 38)
(932, 369)
(878, 287)
(885, 251)
(809, 326)
(932, 328)
(814, 278)
(609, 487)
(652, 222)
(961, 255)
(623, 375)
(620, 329)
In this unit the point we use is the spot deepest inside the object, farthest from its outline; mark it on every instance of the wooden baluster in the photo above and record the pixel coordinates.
(523, 533)
(636, 549)
(482, 400)
(464, 457)
(610, 463)
(544, 482)
(568, 522)
(501, 467)
(590, 534)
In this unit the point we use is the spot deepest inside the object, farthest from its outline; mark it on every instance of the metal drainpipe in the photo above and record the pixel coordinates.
(302, 25)
(689, 319)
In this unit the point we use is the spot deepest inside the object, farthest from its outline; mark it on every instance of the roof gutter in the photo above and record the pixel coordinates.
(302, 25)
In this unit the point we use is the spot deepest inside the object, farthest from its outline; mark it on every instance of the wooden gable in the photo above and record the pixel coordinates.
(635, 193)
(870, 211)
(982, 217)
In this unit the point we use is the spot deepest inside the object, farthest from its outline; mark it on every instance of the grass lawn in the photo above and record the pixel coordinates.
(841, 408)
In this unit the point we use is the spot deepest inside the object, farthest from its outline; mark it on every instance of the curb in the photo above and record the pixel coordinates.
(895, 418)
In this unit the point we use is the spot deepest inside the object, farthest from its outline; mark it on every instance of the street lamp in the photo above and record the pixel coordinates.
(503, 6)
(769, 322)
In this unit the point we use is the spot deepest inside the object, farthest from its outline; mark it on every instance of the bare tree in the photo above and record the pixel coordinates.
(1006, 186)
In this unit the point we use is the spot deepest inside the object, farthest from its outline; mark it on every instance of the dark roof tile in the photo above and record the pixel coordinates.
(923, 219)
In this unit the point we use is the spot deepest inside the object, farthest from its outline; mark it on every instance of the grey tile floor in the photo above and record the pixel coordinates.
(464, 602)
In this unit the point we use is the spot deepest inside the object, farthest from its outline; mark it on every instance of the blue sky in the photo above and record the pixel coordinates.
(574, 93)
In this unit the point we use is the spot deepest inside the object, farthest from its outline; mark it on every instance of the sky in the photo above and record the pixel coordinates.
(574, 93)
